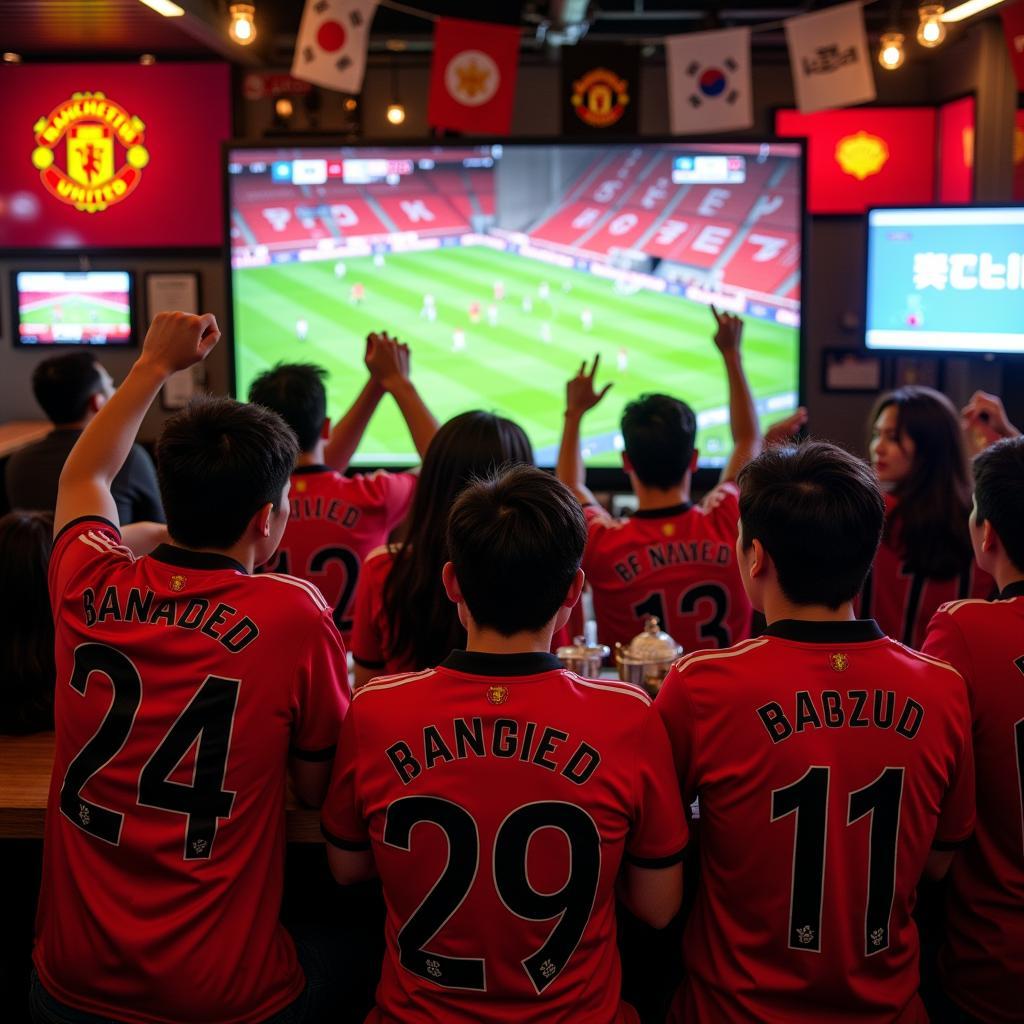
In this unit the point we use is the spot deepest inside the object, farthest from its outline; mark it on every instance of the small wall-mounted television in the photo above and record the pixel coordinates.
(63, 307)
(505, 266)
(946, 279)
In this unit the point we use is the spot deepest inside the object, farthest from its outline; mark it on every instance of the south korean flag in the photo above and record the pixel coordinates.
(709, 81)
(331, 48)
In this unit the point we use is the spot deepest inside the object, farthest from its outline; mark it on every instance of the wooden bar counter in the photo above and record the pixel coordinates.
(25, 763)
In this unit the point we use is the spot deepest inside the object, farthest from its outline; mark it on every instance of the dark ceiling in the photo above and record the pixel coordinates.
(94, 29)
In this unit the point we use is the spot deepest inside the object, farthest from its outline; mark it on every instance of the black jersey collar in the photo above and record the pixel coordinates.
(477, 663)
(855, 631)
(305, 470)
(1015, 589)
(186, 559)
(662, 513)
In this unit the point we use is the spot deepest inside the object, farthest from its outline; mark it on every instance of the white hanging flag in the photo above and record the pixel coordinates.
(828, 52)
(709, 81)
(331, 48)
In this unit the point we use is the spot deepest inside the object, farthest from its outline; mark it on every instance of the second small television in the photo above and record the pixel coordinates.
(62, 307)
(946, 279)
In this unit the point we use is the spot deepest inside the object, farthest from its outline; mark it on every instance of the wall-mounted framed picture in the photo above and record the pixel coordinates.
(167, 291)
(850, 370)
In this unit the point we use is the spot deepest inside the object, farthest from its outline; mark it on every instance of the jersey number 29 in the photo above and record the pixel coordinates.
(571, 905)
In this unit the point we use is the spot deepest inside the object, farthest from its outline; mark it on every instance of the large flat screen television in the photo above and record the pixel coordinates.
(946, 279)
(62, 307)
(505, 266)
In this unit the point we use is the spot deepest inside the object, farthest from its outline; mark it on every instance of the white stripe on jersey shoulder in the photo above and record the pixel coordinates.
(701, 656)
(937, 662)
(390, 682)
(384, 549)
(312, 591)
(955, 606)
(616, 686)
(92, 544)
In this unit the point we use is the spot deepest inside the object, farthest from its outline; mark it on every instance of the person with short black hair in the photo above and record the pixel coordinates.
(671, 558)
(336, 520)
(833, 767)
(540, 791)
(982, 961)
(187, 692)
(918, 451)
(71, 389)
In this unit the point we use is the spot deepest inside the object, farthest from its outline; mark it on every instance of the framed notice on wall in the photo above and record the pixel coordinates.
(166, 292)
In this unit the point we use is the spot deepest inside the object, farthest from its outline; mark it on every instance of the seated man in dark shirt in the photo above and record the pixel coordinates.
(71, 389)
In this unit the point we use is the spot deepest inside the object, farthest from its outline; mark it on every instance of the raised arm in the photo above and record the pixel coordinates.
(746, 431)
(348, 431)
(985, 421)
(580, 398)
(388, 362)
(175, 341)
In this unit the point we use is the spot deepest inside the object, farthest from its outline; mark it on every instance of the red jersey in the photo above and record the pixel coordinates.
(903, 602)
(183, 686)
(828, 760)
(499, 794)
(334, 523)
(983, 959)
(678, 564)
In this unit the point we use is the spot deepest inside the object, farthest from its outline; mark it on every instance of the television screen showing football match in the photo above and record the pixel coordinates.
(505, 266)
(56, 307)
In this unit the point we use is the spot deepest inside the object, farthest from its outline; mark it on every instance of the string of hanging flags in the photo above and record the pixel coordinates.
(475, 65)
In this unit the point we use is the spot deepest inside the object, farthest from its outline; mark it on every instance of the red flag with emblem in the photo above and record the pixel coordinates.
(473, 76)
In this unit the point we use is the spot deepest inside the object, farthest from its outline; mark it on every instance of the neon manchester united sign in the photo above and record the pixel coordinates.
(102, 157)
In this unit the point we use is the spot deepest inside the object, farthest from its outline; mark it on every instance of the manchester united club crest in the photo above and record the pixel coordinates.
(839, 662)
(89, 152)
(178, 583)
(600, 98)
(472, 77)
(861, 155)
(497, 694)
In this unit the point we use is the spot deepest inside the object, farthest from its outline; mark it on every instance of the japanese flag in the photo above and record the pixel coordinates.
(709, 81)
(331, 48)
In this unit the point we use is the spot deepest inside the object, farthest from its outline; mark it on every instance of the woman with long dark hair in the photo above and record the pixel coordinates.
(403, 621)
(918, 452)
(27, 667)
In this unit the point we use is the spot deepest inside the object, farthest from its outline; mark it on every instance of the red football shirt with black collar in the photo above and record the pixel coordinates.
(829, 760)
(903, 602)
(983, 959)
(676, 563)
(184, 686)
(335, 522)
(499, 794)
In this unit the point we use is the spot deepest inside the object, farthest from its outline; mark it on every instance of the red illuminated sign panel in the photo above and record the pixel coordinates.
(112, 155)
(865, 157)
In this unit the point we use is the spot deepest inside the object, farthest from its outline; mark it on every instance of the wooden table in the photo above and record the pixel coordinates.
(16, 434)
(25, 763)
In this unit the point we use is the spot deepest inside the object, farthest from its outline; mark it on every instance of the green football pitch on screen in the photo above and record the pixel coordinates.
(498, 331)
